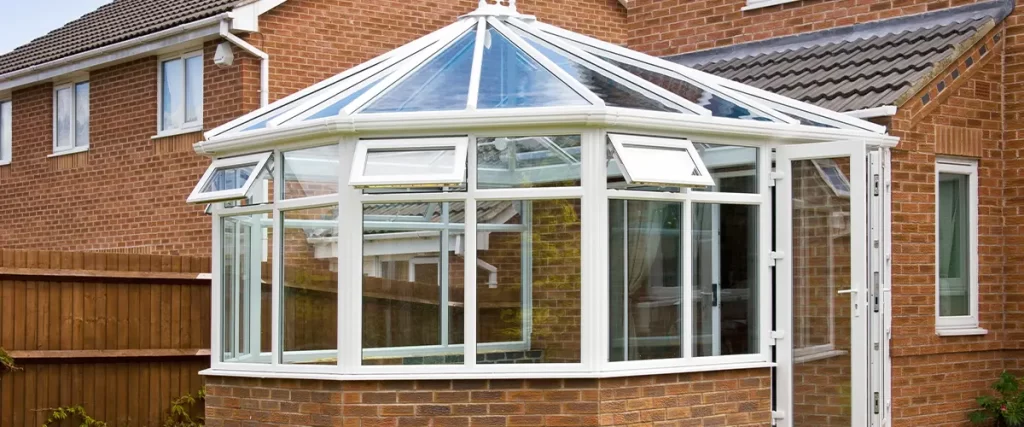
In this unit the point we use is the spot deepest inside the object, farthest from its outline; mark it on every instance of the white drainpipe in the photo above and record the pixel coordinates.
(264, 60)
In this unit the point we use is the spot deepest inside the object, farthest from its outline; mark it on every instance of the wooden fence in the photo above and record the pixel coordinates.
(121, 335)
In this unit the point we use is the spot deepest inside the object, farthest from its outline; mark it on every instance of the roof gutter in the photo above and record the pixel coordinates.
(37, 73)
(871, 113)
(263, 56)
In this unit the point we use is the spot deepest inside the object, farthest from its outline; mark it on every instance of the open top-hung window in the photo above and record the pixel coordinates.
(231, 178)
(646, 160)
(420, 162)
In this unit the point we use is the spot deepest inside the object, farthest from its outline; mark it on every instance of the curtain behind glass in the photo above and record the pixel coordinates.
(953, 255)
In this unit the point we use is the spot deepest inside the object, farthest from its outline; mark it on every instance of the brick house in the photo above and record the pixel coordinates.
(119, 102)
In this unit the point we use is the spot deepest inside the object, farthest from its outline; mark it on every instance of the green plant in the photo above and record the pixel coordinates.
(180, 414)
(6, 363)
(67, 412)
(1006, 408)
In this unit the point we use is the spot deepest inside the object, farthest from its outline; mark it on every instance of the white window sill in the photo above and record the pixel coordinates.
(764, 4)
(176, 132)
(960, 332)
(75, 150)
(5, 162)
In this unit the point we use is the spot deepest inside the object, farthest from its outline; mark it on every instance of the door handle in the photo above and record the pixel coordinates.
(853, 294)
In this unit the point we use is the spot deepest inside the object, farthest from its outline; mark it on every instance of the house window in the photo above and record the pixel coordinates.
(757, 4)
(5, 132)
(71, 117)
(956, 244)
(181, 93)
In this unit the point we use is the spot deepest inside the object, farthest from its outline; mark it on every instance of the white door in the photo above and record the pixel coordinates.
(822, 290)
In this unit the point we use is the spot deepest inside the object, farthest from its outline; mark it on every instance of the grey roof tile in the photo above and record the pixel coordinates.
(856, 73)
(111, 23)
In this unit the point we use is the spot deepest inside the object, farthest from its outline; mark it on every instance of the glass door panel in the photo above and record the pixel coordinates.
(822, 298)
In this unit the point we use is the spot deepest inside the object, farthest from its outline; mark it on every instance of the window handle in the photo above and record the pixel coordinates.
(853, 299)
(847, 291)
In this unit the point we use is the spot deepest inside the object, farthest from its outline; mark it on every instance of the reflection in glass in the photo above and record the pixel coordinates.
(440, 84)
(821, 316)
(645, 280)
(724, 269)
(510, 78)
(171, 105)
(954, 239)
(82, 114)
(528, 282)
(311, 171)
(309, 296)
(413, 283)
(231, 178)
(65, 103)
(409, 162)
(193, 89)
(614, 93)
(533, 161)
(335, 108)
(246, 260)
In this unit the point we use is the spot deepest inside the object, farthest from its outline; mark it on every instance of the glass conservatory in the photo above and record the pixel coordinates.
(502, 198)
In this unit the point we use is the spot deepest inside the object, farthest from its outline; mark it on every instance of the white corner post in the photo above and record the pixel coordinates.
(225, 32)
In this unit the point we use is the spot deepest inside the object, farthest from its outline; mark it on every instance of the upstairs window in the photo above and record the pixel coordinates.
(5, 132)
(956, 245)
(71, 117)
(181, 93)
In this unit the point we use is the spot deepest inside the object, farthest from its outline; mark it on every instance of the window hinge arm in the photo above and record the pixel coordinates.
(774, 256)
(777, 336)
(776, 416)
(774, 176)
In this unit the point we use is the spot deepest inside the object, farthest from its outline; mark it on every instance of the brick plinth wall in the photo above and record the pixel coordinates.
(727, 398)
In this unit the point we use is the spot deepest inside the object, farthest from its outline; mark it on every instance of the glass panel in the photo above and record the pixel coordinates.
(65, 103)
(311, 171)
(613, 93)
(954, 241)
(194, 89)
(309, 298)
(718, 105)
(532, 161)
(440, 84)
(645, 278)
(172, 105)
(733, 167)
(5, 130)
(724, 277)
(510, 79)
(82, 114)
(822, 382)
(246, 260)
(231, 178)
(335, 108)
(528, 282)
(427, 161)
(413, 283)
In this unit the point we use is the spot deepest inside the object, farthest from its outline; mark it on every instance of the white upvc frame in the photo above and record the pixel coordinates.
(454, 177)
(6, 131)
(959, 325)
(636, 172)
(199, 196)
(74, 146)
(186, 126)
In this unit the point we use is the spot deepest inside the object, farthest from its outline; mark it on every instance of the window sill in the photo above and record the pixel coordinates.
(811, 357)
(960, 332)
(764, 4)
(69, 152)
(5, 162)
(176, 132)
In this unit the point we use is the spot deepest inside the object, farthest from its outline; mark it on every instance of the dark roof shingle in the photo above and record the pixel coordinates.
(111, 23)
(851, 68)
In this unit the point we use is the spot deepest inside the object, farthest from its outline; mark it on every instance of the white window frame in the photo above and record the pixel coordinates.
(186, 127)
(73, 135)
(637, 173)
(758, 4)
(200, 196)
(455, 177)
(959, 325)
(6, 130)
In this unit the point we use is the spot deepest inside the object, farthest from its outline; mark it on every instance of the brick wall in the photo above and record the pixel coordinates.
(729, 398)
(669, 27)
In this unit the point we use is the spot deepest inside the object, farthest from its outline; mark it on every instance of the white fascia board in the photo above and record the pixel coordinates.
(146, 45)
(441, 122)
(870, 113)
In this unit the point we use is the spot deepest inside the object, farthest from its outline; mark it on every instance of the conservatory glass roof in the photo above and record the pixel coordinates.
(497, 58)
